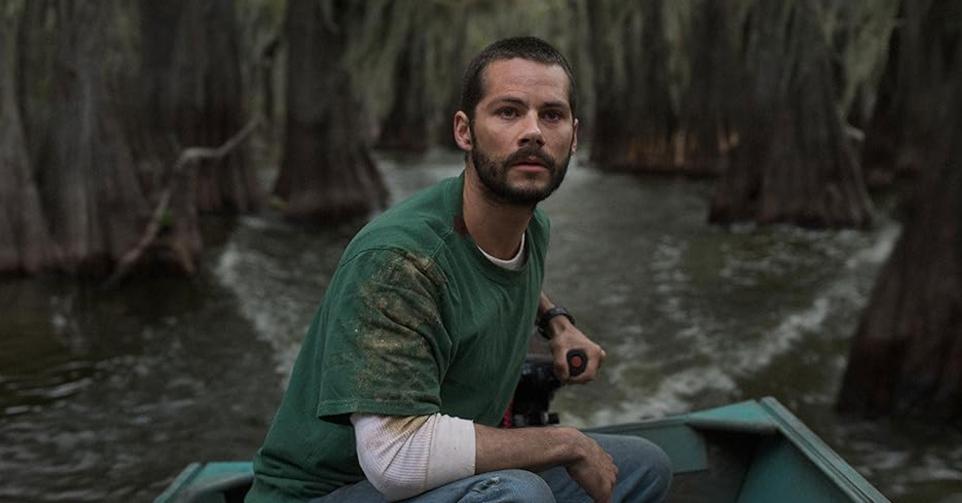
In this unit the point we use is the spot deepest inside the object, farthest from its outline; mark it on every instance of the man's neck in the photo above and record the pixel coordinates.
(495, 226)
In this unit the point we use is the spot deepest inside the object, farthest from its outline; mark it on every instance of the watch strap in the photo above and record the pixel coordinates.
(546, 317)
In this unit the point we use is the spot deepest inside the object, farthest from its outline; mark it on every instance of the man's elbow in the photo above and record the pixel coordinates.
(394, 484)
(406, 456)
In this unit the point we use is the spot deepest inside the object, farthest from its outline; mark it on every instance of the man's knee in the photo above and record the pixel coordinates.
(659, 471)
(510, 485)
(658, 463)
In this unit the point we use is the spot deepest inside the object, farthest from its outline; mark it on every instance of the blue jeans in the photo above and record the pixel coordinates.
(644, 474)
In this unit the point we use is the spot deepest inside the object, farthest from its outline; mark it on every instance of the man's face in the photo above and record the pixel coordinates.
(523, 132)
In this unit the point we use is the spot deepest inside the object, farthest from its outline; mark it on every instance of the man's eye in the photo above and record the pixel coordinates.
(507, 113)
(553, 116)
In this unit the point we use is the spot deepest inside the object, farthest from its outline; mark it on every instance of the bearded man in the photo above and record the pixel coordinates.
(418, 344)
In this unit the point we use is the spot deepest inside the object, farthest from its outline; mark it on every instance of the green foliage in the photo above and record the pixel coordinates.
(383, 35)
(9, 11)
(676, 19)
(860, 32)
(259, 23)
(166, 221)
(622, 22)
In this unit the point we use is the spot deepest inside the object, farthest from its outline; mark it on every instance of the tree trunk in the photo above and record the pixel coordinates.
(634, 119)
(327, 173)
(883, 129)
(88, 183)
(448, 102)
(95, 175)
(25, 243)
(192, 57)
(707, 134)
(906, 357)
(409, 124)
(35, 70)
(916, 85)
(793, 163)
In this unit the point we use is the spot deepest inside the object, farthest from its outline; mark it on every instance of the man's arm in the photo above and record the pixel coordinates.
(405, 456)
(402, 456)
(537, 449)
(564, 336)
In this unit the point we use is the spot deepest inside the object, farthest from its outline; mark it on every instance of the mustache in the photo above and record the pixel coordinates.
(526, 153)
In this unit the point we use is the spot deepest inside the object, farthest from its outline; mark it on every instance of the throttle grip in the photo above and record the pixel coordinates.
(577, 362)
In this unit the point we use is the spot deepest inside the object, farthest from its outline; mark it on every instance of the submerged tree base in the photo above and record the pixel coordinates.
(906, 357)
(793, 162)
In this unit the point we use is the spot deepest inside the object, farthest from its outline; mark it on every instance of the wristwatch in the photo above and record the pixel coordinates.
(548, 315)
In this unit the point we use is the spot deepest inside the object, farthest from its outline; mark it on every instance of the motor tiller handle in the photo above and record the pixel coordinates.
(577, 362)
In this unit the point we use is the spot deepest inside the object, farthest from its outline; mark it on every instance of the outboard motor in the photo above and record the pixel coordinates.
(532, 398)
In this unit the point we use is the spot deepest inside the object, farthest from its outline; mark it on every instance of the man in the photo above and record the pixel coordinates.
(415, 352)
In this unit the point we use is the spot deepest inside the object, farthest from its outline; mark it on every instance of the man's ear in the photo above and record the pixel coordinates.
(462, 131)
(574, 137)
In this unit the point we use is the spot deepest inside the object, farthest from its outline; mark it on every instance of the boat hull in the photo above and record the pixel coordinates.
(753, 451)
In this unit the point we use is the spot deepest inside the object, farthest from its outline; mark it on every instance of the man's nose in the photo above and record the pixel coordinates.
(532, 130)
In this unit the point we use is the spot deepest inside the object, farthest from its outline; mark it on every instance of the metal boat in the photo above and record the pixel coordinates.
(748, 452)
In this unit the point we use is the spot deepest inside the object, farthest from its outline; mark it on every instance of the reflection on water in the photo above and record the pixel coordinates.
(106, 396)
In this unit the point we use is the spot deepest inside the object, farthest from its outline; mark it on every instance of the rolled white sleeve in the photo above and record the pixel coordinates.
(406, 456)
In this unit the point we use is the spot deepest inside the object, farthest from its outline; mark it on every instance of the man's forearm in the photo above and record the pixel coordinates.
(533, 449)
(537, 449)
(544, 303)
(557, 323)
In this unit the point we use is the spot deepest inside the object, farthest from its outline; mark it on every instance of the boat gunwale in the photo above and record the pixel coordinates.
(765, 417)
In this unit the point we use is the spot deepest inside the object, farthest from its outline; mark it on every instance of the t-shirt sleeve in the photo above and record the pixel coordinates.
(384, 343)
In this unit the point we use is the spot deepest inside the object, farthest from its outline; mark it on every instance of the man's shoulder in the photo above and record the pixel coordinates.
(541, 218)
(418, 226)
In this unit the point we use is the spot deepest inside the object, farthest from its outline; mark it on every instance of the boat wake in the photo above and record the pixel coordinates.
(709, 361)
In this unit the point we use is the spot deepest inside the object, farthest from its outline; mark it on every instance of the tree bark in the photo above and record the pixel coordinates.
(327, 173)
(412, 117)
(915, 87)
(448, 102)
(35, 68)
(707, 134)
(793, 163)
(195, 89)
(84, 182)
(156, 226)
(906, 357)
(25, 242)
(89, 185)
(634, 119)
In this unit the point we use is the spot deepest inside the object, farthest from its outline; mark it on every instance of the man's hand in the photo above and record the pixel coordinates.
(538, 449)
(594, 471)
(565, 337)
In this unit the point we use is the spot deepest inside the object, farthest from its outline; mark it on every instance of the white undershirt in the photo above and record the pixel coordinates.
(403, 456)
(512, 264)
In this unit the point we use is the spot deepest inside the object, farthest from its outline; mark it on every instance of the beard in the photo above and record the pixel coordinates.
(494, 175)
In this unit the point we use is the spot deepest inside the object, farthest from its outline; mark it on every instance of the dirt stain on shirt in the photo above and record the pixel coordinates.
(398, 316)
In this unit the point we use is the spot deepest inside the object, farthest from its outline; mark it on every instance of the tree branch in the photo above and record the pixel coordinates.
(187, 157)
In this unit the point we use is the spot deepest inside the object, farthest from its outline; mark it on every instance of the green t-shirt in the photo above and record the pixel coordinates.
(415, 321)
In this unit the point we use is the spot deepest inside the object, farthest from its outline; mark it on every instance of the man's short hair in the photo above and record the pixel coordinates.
(529, 48)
